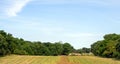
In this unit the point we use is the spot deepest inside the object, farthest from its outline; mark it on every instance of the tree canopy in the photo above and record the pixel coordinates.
(12, 45)
(109, 47)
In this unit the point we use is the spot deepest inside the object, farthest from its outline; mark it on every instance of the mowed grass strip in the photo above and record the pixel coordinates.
(91, 60)
(46, 60)
(64, 60)
(21, 59)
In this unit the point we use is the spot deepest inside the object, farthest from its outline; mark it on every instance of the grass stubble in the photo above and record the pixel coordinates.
(23, 59)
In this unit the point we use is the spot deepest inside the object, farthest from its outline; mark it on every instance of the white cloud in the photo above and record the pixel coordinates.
(12, 7)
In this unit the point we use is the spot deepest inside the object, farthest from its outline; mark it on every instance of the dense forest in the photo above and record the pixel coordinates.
(11, 45)
(109, 47)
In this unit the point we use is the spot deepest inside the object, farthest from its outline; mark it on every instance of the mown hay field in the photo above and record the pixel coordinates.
(92, 60)
(21, 59)
(16, 59)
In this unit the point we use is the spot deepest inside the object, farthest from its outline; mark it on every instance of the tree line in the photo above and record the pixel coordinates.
(11, 45)
(109, 47)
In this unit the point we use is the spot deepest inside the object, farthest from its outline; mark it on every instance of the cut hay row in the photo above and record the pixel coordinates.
(29, 59)
(91, 60)
(21, 59)
(64, 60)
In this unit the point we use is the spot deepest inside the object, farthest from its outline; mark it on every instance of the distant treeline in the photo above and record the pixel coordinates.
(11, 45)
(109, 47)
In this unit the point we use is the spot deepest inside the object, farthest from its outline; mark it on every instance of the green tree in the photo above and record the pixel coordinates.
(109, 47)
(67, 48)
(3, 46)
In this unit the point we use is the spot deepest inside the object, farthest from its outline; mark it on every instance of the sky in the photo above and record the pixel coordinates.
(78, 22)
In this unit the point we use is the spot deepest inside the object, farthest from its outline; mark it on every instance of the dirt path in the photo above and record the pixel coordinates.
(64, 60)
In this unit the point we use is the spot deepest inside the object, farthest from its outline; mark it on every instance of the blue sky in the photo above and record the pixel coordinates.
(79, 22)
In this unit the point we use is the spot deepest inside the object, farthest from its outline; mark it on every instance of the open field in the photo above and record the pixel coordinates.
(16, 59)
(29, 59)
(92, 60)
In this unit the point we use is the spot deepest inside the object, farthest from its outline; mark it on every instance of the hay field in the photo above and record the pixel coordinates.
(92, 60)
(21, 59)
(16, 59)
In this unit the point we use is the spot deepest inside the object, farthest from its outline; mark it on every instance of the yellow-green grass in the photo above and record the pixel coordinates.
(91, 60)
(16, 59)
(22, 59)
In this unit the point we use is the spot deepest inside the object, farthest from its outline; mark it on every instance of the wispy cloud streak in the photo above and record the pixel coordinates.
(12, 7)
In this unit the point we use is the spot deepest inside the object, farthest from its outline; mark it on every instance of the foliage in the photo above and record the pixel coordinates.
(12, 45)
(67, 48)
(109, 47)
(83, 50)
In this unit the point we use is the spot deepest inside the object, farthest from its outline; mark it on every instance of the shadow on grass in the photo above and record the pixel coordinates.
(118, 59)
(1, 56)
